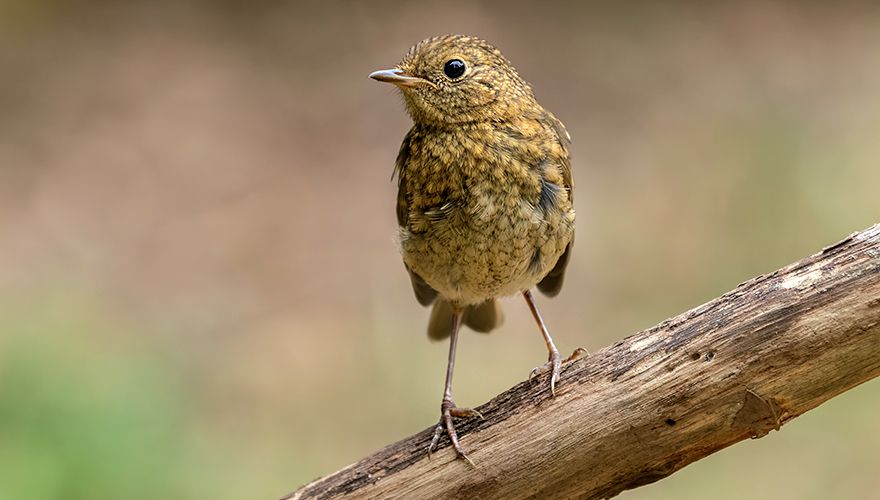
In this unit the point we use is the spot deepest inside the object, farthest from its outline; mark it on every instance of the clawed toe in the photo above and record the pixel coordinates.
(578, 353)
(554, 366)
(449, 411)
(465, 412)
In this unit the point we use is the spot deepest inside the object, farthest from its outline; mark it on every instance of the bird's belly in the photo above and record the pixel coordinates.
(470, 255)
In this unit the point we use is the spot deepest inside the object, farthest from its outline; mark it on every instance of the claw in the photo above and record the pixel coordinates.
(578, 353)
(554, 366)
(449, 411)
(465, 412)
(554, 376)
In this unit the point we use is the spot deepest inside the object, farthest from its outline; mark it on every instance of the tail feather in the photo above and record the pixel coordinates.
(440, 324)
(482, 318)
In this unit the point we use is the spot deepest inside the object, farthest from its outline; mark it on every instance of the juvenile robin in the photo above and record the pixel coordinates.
(484, 198)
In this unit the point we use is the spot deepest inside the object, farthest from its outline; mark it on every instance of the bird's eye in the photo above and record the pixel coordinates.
(454, 68)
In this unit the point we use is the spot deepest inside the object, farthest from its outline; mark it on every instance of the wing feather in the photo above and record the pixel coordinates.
(424, 293)
(551, 284)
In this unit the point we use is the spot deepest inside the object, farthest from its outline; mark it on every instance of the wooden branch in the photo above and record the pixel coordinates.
(639, 410)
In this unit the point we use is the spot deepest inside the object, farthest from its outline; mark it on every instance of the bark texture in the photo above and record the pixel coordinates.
(635, 412)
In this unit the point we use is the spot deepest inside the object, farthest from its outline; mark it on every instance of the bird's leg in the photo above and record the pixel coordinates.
(554, 363)
(448, 410)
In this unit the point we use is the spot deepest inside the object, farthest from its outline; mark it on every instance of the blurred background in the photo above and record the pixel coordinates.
(200, 290)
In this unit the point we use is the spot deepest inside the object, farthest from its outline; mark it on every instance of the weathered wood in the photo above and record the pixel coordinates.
(639, 410)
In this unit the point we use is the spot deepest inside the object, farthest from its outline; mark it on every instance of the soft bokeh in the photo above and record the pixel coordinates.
(200, 292)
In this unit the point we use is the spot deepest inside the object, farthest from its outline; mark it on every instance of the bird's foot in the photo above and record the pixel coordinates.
(554, 366)
(448, 411)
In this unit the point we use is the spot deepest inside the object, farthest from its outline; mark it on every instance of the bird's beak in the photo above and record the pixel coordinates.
(398, 77)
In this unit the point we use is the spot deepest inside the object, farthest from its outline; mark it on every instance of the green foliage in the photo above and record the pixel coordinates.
(82, 418)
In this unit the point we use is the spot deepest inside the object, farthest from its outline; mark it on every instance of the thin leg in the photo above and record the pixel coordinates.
(448, 410)
(554, 363)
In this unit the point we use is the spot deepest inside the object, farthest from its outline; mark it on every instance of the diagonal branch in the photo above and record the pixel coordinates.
(639, 410)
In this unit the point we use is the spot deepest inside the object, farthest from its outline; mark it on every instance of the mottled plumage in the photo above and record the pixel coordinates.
(484, 201)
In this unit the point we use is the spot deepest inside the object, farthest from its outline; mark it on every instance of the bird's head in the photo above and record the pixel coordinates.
(456, 79)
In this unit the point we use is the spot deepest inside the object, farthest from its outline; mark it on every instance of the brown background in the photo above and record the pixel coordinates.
(200, 292)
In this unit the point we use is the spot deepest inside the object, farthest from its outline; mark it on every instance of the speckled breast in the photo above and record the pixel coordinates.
(495, 238)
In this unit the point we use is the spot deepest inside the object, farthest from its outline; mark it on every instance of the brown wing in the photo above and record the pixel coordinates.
(424, 293)
(565, 142)
(551, 284)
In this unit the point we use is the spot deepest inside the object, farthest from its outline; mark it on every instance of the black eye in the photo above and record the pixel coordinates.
(454, 68)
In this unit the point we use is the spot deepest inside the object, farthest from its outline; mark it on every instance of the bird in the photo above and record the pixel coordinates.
(485, 203)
